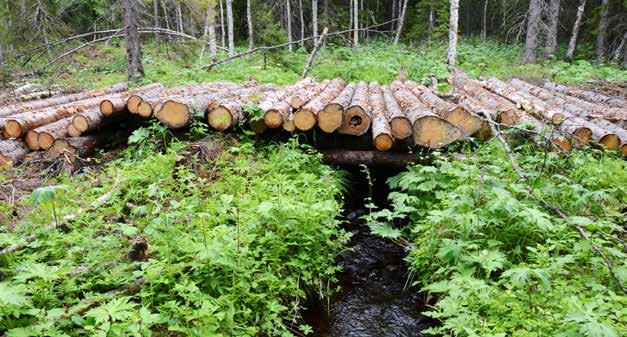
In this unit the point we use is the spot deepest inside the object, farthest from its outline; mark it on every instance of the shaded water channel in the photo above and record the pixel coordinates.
(375, 299)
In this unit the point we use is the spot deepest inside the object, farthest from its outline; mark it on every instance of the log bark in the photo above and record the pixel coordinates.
(47, 134)
(55, 101)
(587, 95)
(299, 99)
(306, 117)
(357, 116)
(572, 44)
(454, 114)
(382, 137)
(429, 129)
(399, 123)
(331, 117)
(579, 129)
(619, 131)
(273, 104)
(369, 158)
(12, 151)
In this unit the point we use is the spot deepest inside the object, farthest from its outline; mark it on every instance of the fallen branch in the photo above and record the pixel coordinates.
(549, 206)
(314, 52)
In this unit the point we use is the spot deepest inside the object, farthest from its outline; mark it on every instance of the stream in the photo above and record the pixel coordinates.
(375, 299)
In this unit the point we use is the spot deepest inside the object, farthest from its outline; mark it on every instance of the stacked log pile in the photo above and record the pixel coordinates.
(394, 117)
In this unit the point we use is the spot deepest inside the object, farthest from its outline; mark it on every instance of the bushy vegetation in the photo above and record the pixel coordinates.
(234, 245)
(376, 61)
(498, 262)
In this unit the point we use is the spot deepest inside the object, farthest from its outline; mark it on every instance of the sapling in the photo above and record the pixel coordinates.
(49, 195)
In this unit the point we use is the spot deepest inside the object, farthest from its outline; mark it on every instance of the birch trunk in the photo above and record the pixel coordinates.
(179, 17)
(229, 22)
(249, 20)
(314, 17)
(452, 34)
(551, 38)
(155, 20)
(431, 25)
(533, 21)
(356, 22)
(302, 24)
(289, 24)
(573, 38)
(484, 26)
(602, 31)
(400, 22)
(135, 69)
(222, 33)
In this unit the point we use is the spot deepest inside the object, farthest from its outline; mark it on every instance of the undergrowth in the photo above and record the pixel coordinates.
(235, 245)
(497, 261)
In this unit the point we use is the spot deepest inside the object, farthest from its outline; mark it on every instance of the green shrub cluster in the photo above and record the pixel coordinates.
(235, 244)
(497, 261)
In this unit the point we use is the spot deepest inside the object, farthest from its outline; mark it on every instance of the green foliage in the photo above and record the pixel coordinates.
(235, 245)
(499, 263)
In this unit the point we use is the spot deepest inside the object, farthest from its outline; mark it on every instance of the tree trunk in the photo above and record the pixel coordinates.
(222, 33)
(533, 23)
(429, 129)
(314, 17)
(135, 70)
(47, 134)
(155, 21)
(587, 95)
(330, 119)
(357, 116)
(307, 116)
(572, 44)
(602, 31)
(210, 31)
(401, 127)
(229, 22)
(431, 25)
(88, 121)
(551, 38)
(369, 158)
(356, 22)
(179, 16)
(251, 29)
(288, 13)
(302, 24)
(12, 151)
(617, 54)
(81, 147)
(400, 22)
(313, 52)
(382, 138)
(484, 26)
(452, 33)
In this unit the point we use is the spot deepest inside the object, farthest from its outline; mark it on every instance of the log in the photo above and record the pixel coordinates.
(454, 114)
(72, 131)
(117, 105)
(32, 140)
(382, 138)
(56, 101)
(369, 158)
(301, 98)
(539, 129)
(225, 108)
(47, 134)
(620, 132)
(526, 101)
(77, 147)
(579, 129)
(272, 116)
(429, 129)
(331, 117)
(306, 117)
(157, 95)
(399, 123)
(87, 121)
(357, 116)
(12, 151)
(587, 95)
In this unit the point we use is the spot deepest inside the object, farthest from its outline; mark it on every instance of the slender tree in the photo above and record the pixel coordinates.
(314, 17)
(484, 25)
(302, 23)
(222, 32)
(179, 17)
(288, 14)
(572, 44)
(431, 24)
(356, 22)
(155, 21)
(551, 35)
(210, 33)
(400, 22)
(135, 69)
(602, 31)
(533, 21)
(229, 22)
(249, 20)
(452, 33)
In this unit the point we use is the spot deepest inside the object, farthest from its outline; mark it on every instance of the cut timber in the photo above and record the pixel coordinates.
(306, 117)
(429, 129)
(225, 108)
(32, 140)
(88, 121)
(301, 98)
(72, 131)
(117, 105)
(369, 158)
(587, 95)
(456, 115)
(157, 95)
(539, 132)
(272, 116)
(579, 129)
(357, 116)
(12, 151)
(278, 115)
(525, 101)
(382, 138)
(331, 117)
(51, 102)
(620, 132)
(47, 134)
(72, 148)
(400, 124)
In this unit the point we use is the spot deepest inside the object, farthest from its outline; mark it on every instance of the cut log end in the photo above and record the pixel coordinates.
(45, 140)
(80, 123)
(32, 140)
(132, 104)
(219, 118)
(72, 131)
(258, 126)
(485, 132)
(557, 118)
(174, 115)
(330, 119)
(561, 143)
(610, 141)
(383, 142)
(273, 119)
(509, 117)
(106, 107)
(13, 129)
(401, 128)
(304, 120)
(434, 132)
(581, 137)
(289, 126)
(464, 120)
(144, 109)
(356, 122)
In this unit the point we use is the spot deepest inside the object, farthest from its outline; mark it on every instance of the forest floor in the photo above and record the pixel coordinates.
(233, 237)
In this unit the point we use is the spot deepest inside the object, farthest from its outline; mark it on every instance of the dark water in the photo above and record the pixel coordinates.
(375, 299)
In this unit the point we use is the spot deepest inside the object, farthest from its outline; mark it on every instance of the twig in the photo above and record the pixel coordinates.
(314, 52)
(552, 208)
